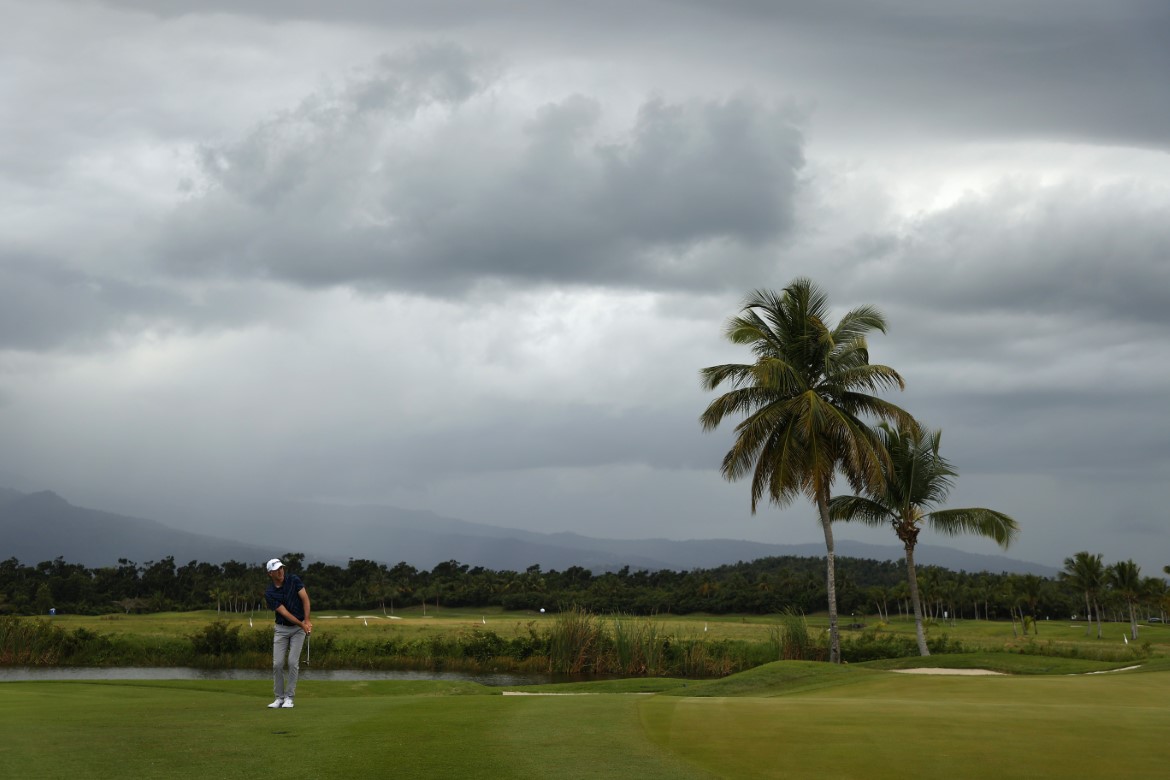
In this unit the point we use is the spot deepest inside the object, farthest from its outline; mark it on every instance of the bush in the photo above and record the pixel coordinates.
(483, 645)
(217, 638)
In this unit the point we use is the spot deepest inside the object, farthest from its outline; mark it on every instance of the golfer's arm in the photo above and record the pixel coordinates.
(282, 610)
(304, 594)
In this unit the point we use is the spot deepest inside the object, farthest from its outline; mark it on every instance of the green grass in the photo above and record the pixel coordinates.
(786, 719)
(338, 730)
(897, 726)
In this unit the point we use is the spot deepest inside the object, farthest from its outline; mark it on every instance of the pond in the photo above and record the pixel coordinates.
(33, 674)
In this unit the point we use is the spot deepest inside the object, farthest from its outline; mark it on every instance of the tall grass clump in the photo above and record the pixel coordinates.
(575, 642)
(792, 641)
(639, 646)
(31, 642)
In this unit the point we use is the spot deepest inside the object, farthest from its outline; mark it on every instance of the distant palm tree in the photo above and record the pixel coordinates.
(1086, 573)
(1030, 588)
(916, 479)
(804, 399)
(1154, 595)
(1125, 578)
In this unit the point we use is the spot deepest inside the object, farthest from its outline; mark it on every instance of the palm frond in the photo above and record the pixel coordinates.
(862, 404)
(976, 521)
(857, 322)
(870, 376)
(737, 374)
(859, 509)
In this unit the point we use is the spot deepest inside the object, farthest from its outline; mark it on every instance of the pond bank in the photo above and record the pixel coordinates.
(34, 674)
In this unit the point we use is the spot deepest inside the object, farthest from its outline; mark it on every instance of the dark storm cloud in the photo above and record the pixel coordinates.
(1051, 68)
(339, 191)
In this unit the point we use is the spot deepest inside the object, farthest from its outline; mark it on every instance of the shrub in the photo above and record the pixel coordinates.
(217, 638)
(483, 645)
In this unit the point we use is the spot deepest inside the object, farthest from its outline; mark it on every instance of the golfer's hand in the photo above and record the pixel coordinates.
(308, 624)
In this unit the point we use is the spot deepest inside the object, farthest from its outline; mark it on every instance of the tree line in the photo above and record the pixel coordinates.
(867, 590)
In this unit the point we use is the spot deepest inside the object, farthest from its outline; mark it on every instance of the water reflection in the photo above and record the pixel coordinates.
(34, 674)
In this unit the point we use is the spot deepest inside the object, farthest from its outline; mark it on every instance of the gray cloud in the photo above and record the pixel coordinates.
(340, 191)
(45, 304)
(1076, 250)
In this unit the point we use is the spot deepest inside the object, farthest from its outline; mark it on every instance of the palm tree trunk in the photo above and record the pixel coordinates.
(830, 580)
(912, 577)
(1133, 629)
(1097, 609)
(1088, 615)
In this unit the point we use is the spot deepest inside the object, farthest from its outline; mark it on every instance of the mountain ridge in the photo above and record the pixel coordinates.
(42, 526)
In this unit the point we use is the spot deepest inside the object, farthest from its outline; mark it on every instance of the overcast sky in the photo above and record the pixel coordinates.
(470, 256)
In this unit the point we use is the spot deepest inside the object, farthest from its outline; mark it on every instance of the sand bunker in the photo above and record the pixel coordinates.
(940, 670)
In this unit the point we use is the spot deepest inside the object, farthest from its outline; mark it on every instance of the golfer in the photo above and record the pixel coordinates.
(286, 595)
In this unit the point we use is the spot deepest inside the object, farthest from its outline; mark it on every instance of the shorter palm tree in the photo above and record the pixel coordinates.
(916, 479)
(1086, 573)
(1125, 578)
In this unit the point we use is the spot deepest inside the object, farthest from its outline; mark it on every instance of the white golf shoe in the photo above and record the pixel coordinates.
(288, 705)
(278, 703)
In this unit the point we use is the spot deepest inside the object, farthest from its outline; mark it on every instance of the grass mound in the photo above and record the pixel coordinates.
(627, 685)
(776, 679)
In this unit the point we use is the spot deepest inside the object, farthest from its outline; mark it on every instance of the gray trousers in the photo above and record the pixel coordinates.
(287, 641)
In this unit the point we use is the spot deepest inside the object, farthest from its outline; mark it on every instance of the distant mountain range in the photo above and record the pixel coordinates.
(41, 526)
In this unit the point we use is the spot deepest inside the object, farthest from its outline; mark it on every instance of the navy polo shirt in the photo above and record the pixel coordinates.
(286, 594)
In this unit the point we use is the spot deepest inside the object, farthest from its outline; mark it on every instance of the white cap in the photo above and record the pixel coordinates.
(274, 564)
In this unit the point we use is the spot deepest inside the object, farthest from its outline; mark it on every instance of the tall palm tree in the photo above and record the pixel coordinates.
(1086, 573)
(1125, 577)
(803, 400)
(916, 479)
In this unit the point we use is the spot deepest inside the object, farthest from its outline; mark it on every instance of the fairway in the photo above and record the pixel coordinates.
(338, 730)
(787, 720)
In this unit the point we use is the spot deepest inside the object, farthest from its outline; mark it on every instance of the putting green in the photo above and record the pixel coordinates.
(900, 726)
